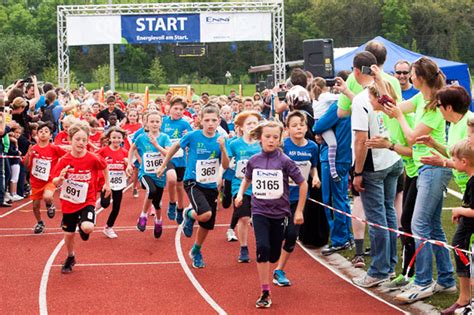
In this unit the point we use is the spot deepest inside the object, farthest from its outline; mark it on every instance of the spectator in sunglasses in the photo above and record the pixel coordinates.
(402, 73)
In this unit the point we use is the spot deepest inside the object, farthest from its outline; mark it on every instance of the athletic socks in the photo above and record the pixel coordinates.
(41, 222)
(359, 247)
(143, 215)
(189, 214)
(332, 162)
(265, 287)
(196, 249)
(180, 210)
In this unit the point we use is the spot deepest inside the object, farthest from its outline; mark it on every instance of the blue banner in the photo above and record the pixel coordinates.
(162, 28)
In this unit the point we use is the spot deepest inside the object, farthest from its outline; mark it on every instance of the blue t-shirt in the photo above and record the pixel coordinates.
(42, 102)
(150, 159)
(229, 173)
(231, 126)
(305, 157)
(204, 156)
(242, 152)
(174, 129)
(406, 95)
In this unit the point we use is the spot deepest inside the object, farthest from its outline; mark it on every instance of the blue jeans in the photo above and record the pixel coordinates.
(378, 200)
(426, 222)
(335, 195)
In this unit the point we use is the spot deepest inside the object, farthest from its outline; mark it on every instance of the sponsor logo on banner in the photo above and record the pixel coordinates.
(217, 20)
(162, 28)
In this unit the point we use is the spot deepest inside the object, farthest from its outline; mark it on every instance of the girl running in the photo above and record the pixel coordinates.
(41, 160)
(62, 138)
(269, 173)
(77, 172)
(116, 158)
(205, 149)
(242, 150)
(152, 146)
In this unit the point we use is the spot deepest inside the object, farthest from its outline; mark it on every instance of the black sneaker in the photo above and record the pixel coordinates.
(332, 249)
(39, 228)
(264, 300)
(68, 264)
(84, 235)
(51, 211)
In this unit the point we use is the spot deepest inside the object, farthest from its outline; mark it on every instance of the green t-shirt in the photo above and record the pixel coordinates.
(432, 119)
(345, 103)
(6, 143)
(456, 133)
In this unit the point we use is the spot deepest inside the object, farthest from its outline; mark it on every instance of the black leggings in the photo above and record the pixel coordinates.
(291, 231)
(154, 192)
(227, 194)
(269, 234)
(408, 243)
(117, 201)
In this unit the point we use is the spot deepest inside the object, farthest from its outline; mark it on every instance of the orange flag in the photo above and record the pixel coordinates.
(146, 98)
(101, 95)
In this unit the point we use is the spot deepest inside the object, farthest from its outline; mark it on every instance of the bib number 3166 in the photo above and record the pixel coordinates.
(267, 184)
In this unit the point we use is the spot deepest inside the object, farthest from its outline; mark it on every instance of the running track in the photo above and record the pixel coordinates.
(137, 274)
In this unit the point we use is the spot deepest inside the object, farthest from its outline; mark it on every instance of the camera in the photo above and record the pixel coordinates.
(331, 82)
(366, 70)
(27, 80)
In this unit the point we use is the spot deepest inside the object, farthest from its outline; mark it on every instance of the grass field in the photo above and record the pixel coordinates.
(439, 300)
(212, 89)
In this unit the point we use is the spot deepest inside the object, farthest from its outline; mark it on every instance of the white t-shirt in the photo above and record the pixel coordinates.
(321, 106)
(364, 118)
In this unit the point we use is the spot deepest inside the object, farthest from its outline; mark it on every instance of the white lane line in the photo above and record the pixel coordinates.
(343, 277)
(43, 303)
(189, 274)
(15, 209)
(125, 264)
(456, 194)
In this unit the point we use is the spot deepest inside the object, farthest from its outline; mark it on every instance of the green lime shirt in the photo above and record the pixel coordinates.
(432, 119)
(457, 132)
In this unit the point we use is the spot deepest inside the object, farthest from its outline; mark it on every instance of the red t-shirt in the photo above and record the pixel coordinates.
(95, 140)
(82, 170)
(114, 159)
(61, 138)
(42, 163)
(130, 129)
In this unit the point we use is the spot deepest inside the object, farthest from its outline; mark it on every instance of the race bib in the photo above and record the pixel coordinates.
(41, 169)
(241, 167)
(206, 171)
(180, 152)
(118, 180)
(151, 161)
(267, 184)
(305, 168)
(75, 192)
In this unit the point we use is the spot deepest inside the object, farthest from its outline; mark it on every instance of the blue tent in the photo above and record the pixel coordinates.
(454, 71)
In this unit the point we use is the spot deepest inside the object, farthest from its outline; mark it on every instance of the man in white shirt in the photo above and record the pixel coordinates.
(375, 175)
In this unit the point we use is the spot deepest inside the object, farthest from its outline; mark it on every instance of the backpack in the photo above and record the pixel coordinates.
(47, 116)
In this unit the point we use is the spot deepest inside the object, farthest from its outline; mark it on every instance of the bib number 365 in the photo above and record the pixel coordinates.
(206, 171)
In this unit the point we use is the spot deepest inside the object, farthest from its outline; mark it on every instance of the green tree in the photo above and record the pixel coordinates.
(102, 75)
(156, 73)
(396, 19)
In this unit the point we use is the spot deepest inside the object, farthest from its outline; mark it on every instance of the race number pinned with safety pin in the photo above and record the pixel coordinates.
(241, 168)
(75, 192)
(152, 160)
(267, 184)
(207, 171)
(305, 168)
(118, 180)
(41, 169)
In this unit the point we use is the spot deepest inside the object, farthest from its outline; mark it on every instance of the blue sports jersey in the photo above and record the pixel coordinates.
(204, 156)
(151, 157)
(174, 129)
(230, 171)
(138, 133)
(242, 152)
(306, 157)
(231, 126)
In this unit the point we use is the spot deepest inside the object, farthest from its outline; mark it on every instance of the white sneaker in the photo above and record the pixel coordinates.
(110, 233)
(231, 237)
(415, 292)
(437, 288)
(367, 281)
(17, 198)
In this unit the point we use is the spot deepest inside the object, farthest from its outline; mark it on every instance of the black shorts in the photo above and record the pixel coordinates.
(179, 171)
(72, 220)
(203, 200)
(245, 209)
(400, 182)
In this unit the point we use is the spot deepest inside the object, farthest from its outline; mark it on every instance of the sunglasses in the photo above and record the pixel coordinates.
(402, 72)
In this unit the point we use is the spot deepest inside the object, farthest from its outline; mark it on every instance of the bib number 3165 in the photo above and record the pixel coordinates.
(267, 184)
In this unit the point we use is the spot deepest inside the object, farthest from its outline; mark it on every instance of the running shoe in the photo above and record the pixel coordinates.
(231, 237)
(395, 284)
(158, 229)
(358, 261)
(280, 279)
(172, 212)
(467, 310)
(264, 300)
(141, 224)
(415, 292)
(135, 193)
(198, 262)
(39, 228)
(244, 255)
(68, 264)
(179, 217)
(333, 249)
(84, 236)
(109, 232)
(188, 223)
(367, 281)
(438, 288)
(17, 198)
(51, 211)
(453, 309)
